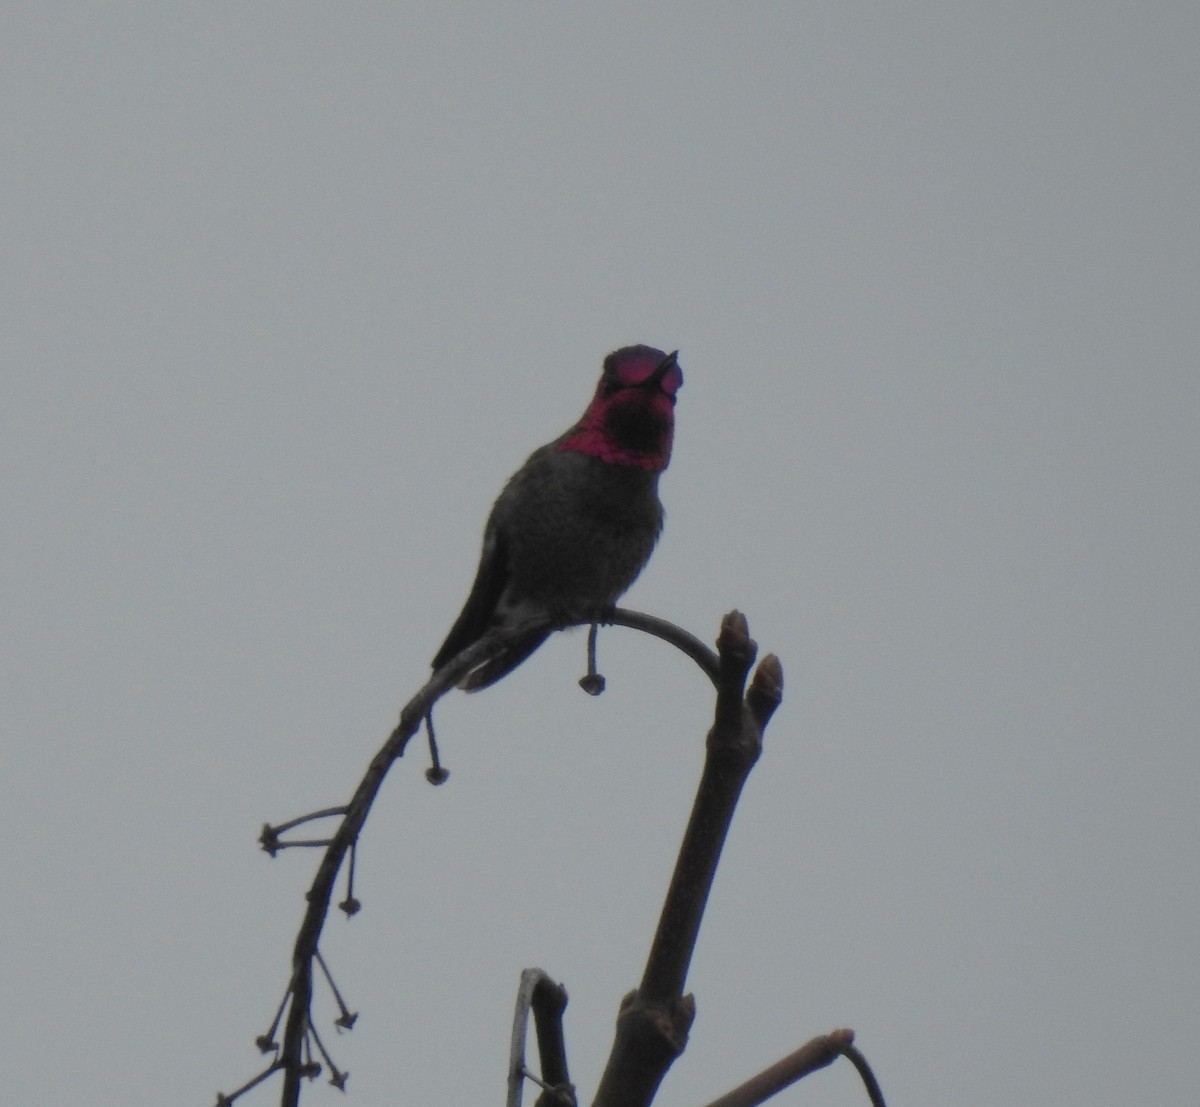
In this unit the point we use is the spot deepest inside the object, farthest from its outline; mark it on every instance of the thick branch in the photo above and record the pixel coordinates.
(733, 747)
(654, 1021)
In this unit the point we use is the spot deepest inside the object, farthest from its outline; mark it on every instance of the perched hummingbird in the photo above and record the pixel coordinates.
(575, 524)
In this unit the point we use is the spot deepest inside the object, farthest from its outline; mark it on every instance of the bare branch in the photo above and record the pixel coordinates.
(296, 1029)
(654, 1021)
(547, 1000)
(850, 1051)
(681, 639)
(808, 1058)
(733, 747)
(549, 1003)
(298, 1034)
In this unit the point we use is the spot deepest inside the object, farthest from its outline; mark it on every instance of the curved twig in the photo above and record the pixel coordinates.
(296, 1029)
(850, 1051)
(681, 639)
(809, 1058)
(540, 994)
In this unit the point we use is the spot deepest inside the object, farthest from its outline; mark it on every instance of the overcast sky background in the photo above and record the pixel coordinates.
(289, 290)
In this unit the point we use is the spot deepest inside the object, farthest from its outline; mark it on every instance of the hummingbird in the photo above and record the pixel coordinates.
(575, 525)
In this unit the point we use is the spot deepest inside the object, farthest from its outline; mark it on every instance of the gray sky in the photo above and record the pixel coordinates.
(290, 289)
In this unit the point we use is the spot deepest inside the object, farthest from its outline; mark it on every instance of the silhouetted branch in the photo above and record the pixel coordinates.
(299, 1039)
(807, 1059)
(298, 1026)
(224, 1100)
(654, 1021)
(681, 639)
(549, 1003)
(547, 1000)
(850, 1051)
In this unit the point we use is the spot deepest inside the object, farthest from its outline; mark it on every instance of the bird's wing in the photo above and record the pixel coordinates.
(485, 594)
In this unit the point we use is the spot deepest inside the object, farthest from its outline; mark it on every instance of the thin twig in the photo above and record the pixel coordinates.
(295, 1029)
(681, 639)
(809, 1058)
(850, 1051)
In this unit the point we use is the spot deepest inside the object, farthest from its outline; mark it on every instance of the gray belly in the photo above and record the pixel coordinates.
(578, 531)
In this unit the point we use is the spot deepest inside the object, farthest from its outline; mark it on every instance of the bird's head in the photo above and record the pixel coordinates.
(631, 418)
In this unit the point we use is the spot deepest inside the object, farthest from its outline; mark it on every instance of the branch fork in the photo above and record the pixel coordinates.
(654, 1019)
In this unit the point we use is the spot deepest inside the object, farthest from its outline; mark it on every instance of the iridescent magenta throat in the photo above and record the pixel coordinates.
(592, 437)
